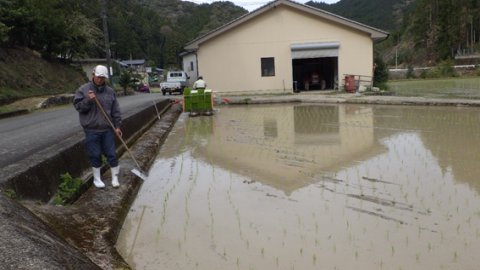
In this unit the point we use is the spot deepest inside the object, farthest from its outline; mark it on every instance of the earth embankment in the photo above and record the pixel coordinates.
(24, 73)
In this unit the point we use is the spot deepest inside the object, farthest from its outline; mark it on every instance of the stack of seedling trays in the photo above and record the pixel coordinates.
(198, 101)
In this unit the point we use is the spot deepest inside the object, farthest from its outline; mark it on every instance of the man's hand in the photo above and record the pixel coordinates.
(119, 132)
(91, 95)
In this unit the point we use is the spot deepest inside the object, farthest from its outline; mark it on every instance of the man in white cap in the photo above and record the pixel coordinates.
(99, 136)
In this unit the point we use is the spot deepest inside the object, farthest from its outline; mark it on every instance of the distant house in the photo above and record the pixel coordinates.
(281, 47)
(137, 64)
(87, 64)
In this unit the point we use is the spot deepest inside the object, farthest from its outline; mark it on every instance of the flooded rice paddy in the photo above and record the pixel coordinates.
(312, 187)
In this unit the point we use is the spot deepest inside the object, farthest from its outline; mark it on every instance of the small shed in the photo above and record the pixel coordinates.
(87, 64)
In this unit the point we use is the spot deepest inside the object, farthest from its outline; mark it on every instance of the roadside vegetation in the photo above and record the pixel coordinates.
(69, 188)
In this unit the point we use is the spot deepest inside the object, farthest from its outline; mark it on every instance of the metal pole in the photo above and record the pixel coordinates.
(105, 35)
(396, 58)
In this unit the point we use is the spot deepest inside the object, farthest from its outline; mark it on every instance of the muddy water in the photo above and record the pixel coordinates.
(312, 187)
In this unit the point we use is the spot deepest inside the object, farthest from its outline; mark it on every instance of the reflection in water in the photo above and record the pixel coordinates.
(297, 141)
(311, 187)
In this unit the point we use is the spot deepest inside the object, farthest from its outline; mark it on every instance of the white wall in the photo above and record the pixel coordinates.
(190, 67)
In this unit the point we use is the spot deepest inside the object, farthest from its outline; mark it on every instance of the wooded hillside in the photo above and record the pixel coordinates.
(423, 32)
(155, 30)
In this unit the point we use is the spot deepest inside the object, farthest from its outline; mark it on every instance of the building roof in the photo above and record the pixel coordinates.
(376, 34)
(133, 62)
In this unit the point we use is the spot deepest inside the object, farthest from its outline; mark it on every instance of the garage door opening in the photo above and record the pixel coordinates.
(314, 73)
(315, 66)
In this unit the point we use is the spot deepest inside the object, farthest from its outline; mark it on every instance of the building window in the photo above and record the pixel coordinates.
(191, 65)
(268, 66)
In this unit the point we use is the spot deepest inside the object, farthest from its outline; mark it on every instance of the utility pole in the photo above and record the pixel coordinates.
(396, 58)
(105, 36)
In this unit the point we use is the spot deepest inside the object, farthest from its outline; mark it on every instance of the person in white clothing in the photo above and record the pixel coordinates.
(200, 83)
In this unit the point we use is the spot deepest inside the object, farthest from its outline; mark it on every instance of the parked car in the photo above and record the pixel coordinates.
(143, 88)
(175, 83)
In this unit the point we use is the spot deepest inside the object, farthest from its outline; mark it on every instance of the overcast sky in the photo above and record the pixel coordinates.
(253, 4)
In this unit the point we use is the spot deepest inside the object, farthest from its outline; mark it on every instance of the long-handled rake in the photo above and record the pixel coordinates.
(137, 170)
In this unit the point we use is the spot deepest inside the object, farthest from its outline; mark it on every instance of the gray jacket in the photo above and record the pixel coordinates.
(91, 118)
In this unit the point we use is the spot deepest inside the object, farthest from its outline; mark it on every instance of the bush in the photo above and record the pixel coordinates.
(442, 70)
(446, 68)
(410, 72)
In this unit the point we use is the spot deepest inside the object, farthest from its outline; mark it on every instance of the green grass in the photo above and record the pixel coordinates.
(466, 87)
(9, 94)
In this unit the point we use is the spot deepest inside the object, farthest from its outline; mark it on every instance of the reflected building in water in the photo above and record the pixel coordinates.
(289, 147)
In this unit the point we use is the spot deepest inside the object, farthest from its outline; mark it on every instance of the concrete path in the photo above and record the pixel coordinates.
(335, 97)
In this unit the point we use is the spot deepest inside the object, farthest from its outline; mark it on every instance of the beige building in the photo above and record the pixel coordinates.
(281, 47)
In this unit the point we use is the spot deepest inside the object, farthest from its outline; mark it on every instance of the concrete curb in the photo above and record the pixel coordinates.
(29, 243)
(13, 113)
(349, 99)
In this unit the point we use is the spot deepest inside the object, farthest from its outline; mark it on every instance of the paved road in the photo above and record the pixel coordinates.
(24, 135)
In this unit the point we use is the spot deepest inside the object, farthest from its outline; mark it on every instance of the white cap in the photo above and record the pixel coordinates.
(100, 71)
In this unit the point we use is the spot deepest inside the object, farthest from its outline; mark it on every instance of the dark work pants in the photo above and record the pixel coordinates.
(98, 143)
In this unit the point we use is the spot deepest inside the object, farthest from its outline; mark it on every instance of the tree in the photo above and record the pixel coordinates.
(125, 80)
(3, 32)
(380, 74)
(52, 27)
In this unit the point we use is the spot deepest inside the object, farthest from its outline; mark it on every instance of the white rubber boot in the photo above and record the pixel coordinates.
(115, 171)
(97, 180)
